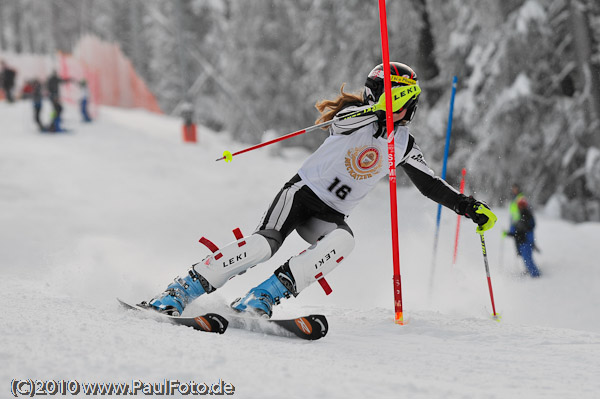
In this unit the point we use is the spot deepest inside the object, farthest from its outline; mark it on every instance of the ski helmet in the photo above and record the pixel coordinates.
(401, 75)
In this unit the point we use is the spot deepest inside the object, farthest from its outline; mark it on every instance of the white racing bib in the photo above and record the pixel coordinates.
(347, 167)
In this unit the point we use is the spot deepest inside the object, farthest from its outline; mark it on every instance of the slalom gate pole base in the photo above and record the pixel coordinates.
(399, 318)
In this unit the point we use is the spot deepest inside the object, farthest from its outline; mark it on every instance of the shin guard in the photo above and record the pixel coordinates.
(233, 259)
(316, 262)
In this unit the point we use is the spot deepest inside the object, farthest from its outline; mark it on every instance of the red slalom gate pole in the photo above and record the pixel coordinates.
(399, 318)
(462, 190)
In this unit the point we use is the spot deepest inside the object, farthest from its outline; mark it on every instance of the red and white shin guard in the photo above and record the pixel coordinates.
(318, 260)
(233, 259)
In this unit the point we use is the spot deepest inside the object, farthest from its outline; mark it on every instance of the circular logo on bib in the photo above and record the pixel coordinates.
(363, 162)
(367, 158)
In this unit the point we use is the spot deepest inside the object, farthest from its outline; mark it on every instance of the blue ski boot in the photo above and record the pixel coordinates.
(260, 300)
(179, 293)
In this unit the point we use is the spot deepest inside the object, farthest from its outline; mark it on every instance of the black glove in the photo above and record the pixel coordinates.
(381, 130)
(467, 206)
(380, 116)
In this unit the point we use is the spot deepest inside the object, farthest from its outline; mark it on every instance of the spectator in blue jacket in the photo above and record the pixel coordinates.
(522, 226)
(84, 99)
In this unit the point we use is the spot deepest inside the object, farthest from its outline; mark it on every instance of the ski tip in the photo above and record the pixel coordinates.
(125, 304)
(312, 327)
(211, 322)
(129, 306)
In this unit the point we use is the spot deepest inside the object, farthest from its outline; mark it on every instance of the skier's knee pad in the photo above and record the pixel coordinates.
(233, 259)
(319, 259)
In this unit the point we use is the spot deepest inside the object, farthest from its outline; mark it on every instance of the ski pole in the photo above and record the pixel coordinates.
(228, 155)
(439, 209)
(400, 96)
(487, 272)
(462, 190)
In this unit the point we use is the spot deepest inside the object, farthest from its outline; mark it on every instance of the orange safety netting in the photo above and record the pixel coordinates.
(110, 76)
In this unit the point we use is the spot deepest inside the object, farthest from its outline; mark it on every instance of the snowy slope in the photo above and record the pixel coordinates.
(116, 208)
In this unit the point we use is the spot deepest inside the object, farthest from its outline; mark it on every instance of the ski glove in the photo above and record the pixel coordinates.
(478, 212)
(484, 212)
(380, 116)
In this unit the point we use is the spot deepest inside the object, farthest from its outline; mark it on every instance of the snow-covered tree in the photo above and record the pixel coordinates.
(527, 106)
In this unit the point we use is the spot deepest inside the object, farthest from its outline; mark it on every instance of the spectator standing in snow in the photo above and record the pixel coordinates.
(53, 88)
(36, 96)
(189, 127)
(318, 199)
(83, 100)
(522, 230)
(7, 76)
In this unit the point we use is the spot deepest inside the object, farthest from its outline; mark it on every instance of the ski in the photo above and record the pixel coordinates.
(209, 322)
(311, 327)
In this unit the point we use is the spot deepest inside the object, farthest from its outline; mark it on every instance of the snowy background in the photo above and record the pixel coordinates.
(116, 208)
(528, 96)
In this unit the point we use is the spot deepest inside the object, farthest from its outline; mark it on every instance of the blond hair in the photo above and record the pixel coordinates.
(329, 108)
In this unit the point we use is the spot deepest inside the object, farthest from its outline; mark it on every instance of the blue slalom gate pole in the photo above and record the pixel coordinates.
(439, 210)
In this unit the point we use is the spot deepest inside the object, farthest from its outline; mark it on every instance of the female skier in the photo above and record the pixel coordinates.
(317, 201)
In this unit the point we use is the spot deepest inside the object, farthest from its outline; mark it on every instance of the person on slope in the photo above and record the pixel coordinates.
(521, 228)
(37, 98)
(318, 199)
(7, 78)
(53, 87)
(84, 97)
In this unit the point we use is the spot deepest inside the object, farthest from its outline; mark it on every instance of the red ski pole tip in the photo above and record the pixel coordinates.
(227, 156)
